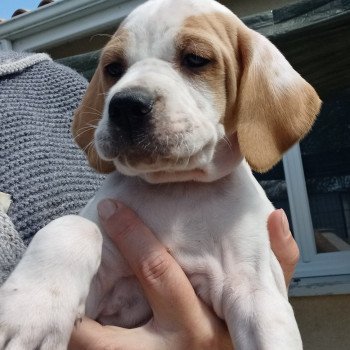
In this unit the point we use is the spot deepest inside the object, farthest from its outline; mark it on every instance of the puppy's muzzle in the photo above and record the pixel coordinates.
(130, 111)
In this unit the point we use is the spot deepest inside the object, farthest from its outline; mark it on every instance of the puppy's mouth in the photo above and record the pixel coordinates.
(144, 136)
(214, 160)
(153, 156)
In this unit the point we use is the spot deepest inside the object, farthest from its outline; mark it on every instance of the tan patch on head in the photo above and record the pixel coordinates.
(89, 112)
(115, 50)
(263, 99)
(256, 92)
(207, 35)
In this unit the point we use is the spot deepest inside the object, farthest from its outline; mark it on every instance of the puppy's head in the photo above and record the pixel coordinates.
(184, 89)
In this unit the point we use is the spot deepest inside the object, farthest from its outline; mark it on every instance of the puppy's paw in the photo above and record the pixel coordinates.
(36, 317)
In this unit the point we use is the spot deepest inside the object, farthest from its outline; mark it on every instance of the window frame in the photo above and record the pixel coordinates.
(311, 264)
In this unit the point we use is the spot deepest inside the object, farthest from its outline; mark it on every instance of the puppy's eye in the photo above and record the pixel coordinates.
(194, 61)
(115, 69)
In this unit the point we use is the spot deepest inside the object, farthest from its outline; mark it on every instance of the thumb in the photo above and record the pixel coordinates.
(166, 286)
(282, 243)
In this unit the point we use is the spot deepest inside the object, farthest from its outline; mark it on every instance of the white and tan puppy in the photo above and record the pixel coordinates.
(186, 100)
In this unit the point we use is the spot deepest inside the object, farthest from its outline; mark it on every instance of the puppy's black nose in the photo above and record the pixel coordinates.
(131, 109)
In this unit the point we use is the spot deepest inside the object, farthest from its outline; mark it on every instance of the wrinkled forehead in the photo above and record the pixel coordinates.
(153, 26)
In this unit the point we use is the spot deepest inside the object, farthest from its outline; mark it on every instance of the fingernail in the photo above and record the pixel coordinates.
(106, 209)
(284, 222)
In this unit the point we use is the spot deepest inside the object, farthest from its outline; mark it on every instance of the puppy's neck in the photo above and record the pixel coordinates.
(227, 156)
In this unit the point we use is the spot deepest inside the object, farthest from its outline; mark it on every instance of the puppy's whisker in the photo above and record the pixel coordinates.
(93, 109)
(93, 125)
(228, 142)
(88, 126)
(88, 147)
(93, 113)
(187, 148)
(82, 131)
(99, 161)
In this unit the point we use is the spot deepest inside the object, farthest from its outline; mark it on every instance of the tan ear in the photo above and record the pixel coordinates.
(86, 118)
(275, 106)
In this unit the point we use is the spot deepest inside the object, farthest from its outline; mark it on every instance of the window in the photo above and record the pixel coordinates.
(314, 36)
(319, 198)
(326, 161)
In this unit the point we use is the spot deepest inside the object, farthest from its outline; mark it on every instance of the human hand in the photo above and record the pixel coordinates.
(180, 319)
(283, 243)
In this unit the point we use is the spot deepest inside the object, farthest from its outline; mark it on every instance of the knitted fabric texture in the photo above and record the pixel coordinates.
(11, 246)
(46, 174)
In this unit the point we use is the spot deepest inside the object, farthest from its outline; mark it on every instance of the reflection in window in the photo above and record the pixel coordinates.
(326, 161)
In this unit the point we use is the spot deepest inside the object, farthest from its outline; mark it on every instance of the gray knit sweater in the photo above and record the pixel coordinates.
(40, 166)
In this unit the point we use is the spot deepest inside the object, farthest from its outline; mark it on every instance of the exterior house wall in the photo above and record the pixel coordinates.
(96, 41)
(324, 321)
(245, 8)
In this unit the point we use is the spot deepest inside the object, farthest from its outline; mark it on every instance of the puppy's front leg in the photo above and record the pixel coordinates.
(46, 293)
(258, 315)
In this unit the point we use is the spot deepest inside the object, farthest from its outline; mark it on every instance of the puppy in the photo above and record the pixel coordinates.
(185, 101)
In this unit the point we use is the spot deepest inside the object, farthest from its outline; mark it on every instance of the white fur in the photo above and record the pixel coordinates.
(215, 226)
(186, 107)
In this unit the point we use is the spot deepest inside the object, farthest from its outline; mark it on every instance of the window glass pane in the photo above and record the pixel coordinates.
(326, 160)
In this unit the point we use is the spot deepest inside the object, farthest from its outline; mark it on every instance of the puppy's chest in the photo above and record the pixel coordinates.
(195, 245)
(202, 226)
(193, 223)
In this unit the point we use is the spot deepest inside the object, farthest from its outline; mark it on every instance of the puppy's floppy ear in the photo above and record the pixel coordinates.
(275, 106)
(86, 118)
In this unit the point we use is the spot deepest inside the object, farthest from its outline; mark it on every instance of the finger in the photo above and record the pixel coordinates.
(282, 243)
(90, 335)
(86, 334)
(166, 286)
